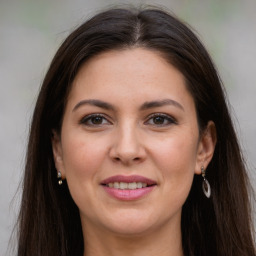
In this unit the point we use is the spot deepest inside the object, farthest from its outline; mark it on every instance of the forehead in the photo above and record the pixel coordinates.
(129, 73)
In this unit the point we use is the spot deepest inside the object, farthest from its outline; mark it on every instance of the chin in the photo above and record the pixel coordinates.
(131, 224)
(130, 230)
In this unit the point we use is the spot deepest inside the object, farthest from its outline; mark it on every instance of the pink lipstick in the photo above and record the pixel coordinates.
(128, 187)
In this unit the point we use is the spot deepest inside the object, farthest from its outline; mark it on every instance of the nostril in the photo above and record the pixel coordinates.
(119, 159)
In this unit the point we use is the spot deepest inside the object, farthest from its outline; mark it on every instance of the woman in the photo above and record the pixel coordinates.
(132, 120)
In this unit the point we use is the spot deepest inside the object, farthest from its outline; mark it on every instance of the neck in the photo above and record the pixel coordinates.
(162, 242)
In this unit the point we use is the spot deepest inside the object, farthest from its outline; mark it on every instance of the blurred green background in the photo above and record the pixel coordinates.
(31, 31)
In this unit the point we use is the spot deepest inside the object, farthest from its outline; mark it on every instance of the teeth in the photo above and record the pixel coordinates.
(116, 184)
(139, 185)
(130, 185)
(123, 185)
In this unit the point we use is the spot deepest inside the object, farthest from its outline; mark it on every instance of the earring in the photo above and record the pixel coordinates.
(59, 178)
(205, 185)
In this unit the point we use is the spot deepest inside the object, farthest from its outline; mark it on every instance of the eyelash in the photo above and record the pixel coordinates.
(166, 118)
(89, 118)
(170, 120)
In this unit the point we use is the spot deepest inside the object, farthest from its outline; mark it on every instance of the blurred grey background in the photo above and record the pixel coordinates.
(31, 31)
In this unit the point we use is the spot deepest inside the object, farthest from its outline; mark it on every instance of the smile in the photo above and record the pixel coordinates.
(128, 187)
(125, 185)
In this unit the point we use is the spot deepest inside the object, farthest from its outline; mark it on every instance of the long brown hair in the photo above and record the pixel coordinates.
(49, 221)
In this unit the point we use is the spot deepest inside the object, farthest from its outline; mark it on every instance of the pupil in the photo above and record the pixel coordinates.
(97, 120)
(158, 120)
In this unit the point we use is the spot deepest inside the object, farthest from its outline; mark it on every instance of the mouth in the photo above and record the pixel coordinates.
(126, 183)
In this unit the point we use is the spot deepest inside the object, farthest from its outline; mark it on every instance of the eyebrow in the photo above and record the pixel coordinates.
(146, 105)
(97, 103)
(160, 103)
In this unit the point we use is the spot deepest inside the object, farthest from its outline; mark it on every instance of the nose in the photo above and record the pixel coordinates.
(127, 147)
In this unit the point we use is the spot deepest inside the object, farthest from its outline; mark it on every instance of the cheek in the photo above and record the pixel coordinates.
(81, 156)
(177, 151)
(176, 158)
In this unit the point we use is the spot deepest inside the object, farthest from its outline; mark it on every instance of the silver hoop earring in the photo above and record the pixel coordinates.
(59, 178)
(205, 185)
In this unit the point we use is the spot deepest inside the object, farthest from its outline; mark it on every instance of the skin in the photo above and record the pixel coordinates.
(127, 140)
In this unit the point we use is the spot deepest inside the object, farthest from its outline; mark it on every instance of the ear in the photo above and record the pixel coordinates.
(206, 147)
(57, 153)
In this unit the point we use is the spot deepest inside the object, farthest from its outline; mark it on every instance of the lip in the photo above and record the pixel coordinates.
(128, 179)
(127, 194)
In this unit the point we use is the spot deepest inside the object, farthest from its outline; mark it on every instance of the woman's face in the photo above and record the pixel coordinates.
(129, 145)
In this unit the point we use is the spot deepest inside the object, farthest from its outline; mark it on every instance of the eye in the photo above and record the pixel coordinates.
(94, 120)
(160, 120)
